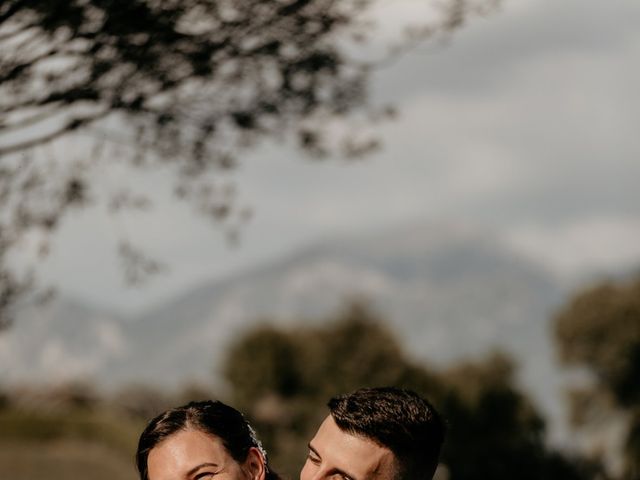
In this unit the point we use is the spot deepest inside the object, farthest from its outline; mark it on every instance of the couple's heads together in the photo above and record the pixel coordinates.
(371, 434)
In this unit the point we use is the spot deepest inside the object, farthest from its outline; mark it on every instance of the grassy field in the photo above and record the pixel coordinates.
(63, 460)
(96, 445)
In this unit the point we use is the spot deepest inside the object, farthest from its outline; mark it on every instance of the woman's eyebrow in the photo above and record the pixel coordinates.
(202, 465)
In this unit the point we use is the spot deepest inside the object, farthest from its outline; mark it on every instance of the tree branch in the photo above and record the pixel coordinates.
(18, 69)
(12, 10)
(29, 121)
(69, 126)
(9, 35)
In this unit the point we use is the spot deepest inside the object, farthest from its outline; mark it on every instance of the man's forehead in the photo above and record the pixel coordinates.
(356, 455)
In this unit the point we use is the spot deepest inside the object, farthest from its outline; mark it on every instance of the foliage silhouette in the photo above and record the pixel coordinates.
(599, 331)
(165, 84)
(494, 430)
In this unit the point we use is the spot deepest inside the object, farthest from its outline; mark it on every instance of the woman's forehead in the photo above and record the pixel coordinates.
(182, 451)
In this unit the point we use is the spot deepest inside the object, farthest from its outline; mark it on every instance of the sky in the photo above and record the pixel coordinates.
(523, 123)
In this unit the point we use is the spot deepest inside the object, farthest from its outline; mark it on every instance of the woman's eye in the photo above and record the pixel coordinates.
(204, 476)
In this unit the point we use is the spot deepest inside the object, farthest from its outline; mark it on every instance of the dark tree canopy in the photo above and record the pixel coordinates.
(495, 430)
(599, 330)
(186, 84)
(282, 377)
(189, 72)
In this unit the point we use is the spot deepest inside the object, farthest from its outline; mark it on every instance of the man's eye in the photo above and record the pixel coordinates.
(313, 458)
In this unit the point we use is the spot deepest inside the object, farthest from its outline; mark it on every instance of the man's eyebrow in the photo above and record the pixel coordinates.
(196, 468)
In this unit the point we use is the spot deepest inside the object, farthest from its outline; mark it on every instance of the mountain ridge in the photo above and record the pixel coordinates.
(447, 292)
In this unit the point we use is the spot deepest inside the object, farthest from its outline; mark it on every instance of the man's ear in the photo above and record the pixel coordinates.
(255, 465)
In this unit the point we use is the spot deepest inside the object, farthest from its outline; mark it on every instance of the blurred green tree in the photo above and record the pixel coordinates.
(599, 331)
(65, 431)
(281, 378)
(183, 85)
(495, 431)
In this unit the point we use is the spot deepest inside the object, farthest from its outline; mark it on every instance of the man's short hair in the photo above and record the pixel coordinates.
(397, 419)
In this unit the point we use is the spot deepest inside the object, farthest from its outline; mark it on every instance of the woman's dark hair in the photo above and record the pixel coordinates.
(211, 417)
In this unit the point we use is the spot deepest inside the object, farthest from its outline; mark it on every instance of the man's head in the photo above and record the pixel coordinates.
(376, 434)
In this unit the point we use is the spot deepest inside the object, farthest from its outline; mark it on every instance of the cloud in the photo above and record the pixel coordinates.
(524, 121)
(485, 55)
(583, 247)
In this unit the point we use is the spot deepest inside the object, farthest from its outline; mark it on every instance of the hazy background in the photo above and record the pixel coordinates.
(522, 123)
(508, 181)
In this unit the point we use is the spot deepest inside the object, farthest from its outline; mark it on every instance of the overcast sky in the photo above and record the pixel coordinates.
(524, 123)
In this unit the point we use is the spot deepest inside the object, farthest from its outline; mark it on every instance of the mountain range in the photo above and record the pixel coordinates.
(447, 292)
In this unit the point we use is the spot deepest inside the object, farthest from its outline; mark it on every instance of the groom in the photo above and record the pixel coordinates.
(380, 433)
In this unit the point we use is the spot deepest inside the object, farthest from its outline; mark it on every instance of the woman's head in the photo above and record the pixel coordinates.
(201, 439)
